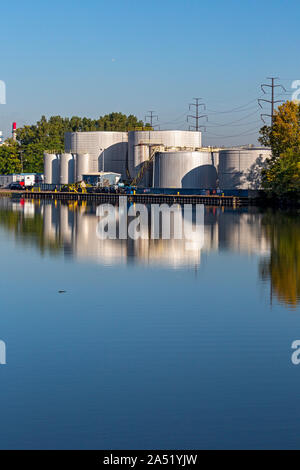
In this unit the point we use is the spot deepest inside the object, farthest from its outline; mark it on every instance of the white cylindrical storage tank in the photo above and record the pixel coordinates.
(51, 168)
(113, 152)
(67, 168)
(107, 150)
(140, 155)
(82, 165)
(178, 140)
(191, 170)
(241, 168)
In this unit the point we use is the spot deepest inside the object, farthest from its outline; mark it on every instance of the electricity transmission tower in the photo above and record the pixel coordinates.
(197, 117)
(151, 116)
(272, 101)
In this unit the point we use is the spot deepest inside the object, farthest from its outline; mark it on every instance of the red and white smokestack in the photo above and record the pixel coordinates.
(14, 131)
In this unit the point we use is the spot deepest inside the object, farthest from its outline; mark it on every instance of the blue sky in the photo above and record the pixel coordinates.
(93, 57)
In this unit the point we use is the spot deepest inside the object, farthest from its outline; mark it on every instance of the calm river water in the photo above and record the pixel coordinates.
(154, 343)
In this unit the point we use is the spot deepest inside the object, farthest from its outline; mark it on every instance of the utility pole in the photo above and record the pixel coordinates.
(197, 117)
(151, 117)
(272, 101)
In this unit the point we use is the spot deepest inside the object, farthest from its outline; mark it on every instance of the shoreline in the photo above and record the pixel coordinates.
(156, 198)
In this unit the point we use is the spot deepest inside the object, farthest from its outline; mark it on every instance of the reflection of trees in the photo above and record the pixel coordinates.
(27, 229)
(283, 266)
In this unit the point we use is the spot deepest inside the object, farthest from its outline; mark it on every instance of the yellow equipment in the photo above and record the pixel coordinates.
(75, 187)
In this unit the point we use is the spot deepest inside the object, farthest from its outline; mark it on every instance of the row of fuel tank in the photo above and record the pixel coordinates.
(173, 159)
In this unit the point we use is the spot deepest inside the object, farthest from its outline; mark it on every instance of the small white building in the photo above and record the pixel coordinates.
(29, 179)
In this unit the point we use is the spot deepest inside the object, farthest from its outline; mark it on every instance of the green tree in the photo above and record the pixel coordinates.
(32, 156)
(281, 178)
(10, 159)
(49, 134)
(285, 132)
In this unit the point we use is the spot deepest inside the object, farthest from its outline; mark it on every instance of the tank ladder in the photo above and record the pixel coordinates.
(138, 178)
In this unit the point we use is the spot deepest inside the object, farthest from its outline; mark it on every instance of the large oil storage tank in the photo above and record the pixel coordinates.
(51, 168)
(140, 142)
(241, 168)
(82, 165)
(107, 150)
(67, 168)
(113, 152)
(192, 170)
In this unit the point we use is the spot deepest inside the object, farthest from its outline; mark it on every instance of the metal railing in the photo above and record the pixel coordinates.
(145, 166)
(47, 187)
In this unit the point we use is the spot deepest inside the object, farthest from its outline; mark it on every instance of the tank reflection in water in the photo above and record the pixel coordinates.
(72, 229)
(155, 343)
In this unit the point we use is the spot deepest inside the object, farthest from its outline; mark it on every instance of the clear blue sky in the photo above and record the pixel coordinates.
(92, 57)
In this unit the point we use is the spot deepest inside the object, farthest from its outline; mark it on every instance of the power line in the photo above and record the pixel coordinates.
(242, 134)
(272, 101)
(216, 124)
(236, 112)
(239, 109)
(197, 118)
(174, 120)
(234, 109)
(151, 116)
(244, 124)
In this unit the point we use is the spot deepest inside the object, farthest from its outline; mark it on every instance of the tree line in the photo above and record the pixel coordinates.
(26, 153)
(281, 178)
